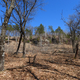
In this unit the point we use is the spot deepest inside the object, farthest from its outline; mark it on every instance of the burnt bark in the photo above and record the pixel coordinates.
(19, 44)
(76, 52)
(22, 35)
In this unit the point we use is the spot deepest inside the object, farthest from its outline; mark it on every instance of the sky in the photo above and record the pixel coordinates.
(51, 15)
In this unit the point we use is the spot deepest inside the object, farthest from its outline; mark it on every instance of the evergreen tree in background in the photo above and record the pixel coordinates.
(40, 29)
(59, 30)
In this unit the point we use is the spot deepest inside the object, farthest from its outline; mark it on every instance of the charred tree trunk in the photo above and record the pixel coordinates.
(76, 52)
(21, 33)
(19, 44)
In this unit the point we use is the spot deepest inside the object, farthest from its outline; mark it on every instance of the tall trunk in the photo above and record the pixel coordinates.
(19, 43)
(3, 32)
(24, 45)
(2, 41)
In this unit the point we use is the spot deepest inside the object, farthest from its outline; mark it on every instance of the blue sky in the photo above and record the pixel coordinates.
(52, 13)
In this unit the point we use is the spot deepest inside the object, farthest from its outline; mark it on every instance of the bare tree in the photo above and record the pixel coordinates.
(73, 24)
(24, 12)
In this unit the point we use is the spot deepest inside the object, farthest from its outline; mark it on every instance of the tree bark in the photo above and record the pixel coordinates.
(1, 53)
(2, 41)
(76, 52)
(73, 45)
(19, 43)
(3, 32)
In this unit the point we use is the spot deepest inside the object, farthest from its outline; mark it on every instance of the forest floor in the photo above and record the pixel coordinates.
(59, 65)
